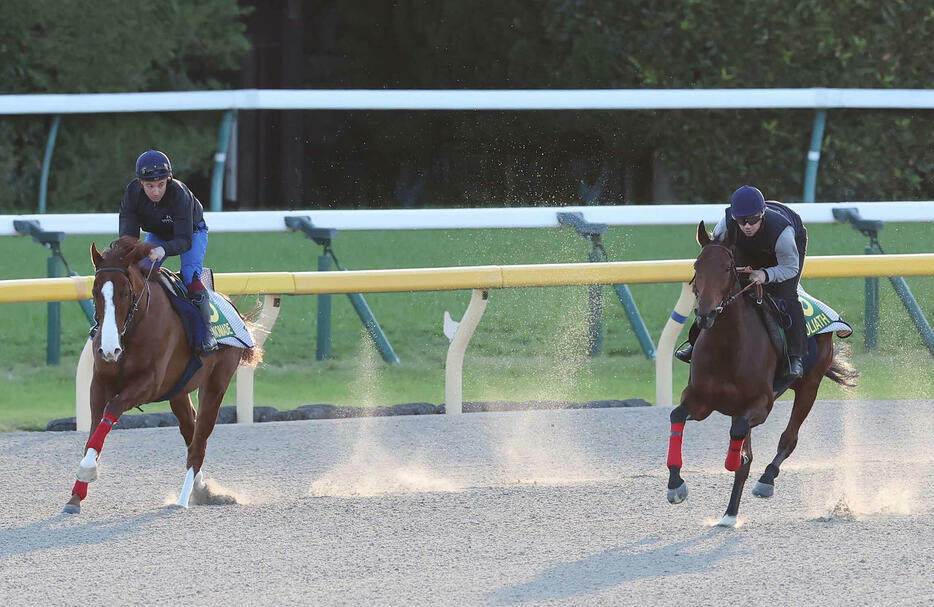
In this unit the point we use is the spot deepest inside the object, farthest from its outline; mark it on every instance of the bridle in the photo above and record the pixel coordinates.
(731, 298)
(135, 306)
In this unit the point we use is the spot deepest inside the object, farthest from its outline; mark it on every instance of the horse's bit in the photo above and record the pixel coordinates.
(129, 317)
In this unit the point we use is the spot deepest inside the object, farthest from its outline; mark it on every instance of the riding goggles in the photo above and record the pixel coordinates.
(749, 220)
(155, 171)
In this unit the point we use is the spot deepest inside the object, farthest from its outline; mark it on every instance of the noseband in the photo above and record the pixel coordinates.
(731, 298)
(135, 307)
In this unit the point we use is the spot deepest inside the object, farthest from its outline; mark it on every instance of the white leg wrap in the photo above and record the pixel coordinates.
(87, 469)
(189, 484)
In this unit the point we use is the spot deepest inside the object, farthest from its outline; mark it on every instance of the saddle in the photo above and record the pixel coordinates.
(776, 321)
(174, 287)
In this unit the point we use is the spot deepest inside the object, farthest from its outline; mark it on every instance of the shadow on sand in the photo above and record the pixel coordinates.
(68, 530)
(646, 558)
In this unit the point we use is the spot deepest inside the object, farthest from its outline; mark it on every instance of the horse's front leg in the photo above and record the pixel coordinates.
(100, 395)
(677, 489)
(88, 468)
(738, 459)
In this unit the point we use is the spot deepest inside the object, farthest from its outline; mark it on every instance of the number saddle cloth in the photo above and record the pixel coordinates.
(818, 318)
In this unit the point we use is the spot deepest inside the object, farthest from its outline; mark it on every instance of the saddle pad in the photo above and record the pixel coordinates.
(226, 324)
(821, 318)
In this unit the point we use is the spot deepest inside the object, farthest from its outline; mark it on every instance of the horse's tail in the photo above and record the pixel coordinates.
(251, 357)
(841, 371)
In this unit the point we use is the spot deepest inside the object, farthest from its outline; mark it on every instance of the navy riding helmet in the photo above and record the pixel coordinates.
(746, 201)
(153, 164)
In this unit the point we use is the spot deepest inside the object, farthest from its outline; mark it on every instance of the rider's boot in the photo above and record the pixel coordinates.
(797, 347)
(684, 354)
(203, 301)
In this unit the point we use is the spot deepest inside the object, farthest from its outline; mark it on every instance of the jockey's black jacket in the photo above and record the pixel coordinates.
(759, 251)
(172, 219)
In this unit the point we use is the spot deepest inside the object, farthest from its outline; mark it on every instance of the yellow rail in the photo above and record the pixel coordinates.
(474, 277)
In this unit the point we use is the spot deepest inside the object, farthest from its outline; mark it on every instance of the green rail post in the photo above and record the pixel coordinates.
(220, 160)
(323, 236)
(810, 173)
(635, 320)
(914, 311)
(871, 337)
(323, 343)
(47, 162)
(871, 229)
(595, 311)
(53, 241)
(372, 327)
(593, 232)
(53, 341)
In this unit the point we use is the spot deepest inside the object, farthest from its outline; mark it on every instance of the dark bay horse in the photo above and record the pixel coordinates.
(732, 371)
(140, 353)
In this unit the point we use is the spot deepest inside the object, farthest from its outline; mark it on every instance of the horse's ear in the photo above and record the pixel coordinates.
(703, 238)
(96, 258)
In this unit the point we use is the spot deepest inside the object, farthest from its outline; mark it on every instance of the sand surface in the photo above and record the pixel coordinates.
(540, 507)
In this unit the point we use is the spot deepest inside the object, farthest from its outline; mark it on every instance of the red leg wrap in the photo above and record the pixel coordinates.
(734, 457)
(80, 489)
(674, 444)
(97, 439)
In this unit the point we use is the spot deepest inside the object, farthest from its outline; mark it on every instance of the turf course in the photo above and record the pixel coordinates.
(531, 344)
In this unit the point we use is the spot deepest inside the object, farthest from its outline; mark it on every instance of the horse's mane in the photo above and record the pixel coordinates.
(126, 251)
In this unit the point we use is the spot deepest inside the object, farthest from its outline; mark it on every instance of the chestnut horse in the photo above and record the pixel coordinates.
(732, 371)
(140, 353)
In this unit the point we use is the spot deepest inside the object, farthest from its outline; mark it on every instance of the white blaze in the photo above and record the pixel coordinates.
(110, 337)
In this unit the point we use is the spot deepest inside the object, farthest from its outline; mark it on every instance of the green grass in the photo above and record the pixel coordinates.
(531, 343)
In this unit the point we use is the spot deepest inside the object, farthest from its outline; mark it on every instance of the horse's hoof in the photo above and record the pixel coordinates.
(71, 509)
(763, 489)
(727, 521)
(676, 496)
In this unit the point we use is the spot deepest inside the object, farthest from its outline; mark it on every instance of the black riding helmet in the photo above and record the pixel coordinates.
(153, 164)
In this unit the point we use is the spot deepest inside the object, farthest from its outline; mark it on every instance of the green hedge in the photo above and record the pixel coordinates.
(109, 46)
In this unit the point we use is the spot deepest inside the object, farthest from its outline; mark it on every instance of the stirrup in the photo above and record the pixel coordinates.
(796, 367)
(209, 346)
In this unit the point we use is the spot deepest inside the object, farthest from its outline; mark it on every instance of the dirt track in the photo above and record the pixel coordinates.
(563, 507)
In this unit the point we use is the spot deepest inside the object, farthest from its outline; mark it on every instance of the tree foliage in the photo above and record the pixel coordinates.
(85, 46)
(644, 44)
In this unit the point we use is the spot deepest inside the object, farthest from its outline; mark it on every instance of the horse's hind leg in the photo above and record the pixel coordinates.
(210, 397)
(181, 407)
(739, 430)
(804, 400)
(677, 489)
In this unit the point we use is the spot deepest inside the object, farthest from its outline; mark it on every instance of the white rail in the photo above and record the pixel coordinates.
(358, 99)
(448, 219)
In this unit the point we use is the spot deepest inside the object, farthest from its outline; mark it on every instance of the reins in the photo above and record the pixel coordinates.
(727, 301)
(135, 307)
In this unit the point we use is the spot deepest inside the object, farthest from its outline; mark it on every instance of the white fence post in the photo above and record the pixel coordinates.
(267, 318)
(666, 345)
(454, 365)
(83, 387)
